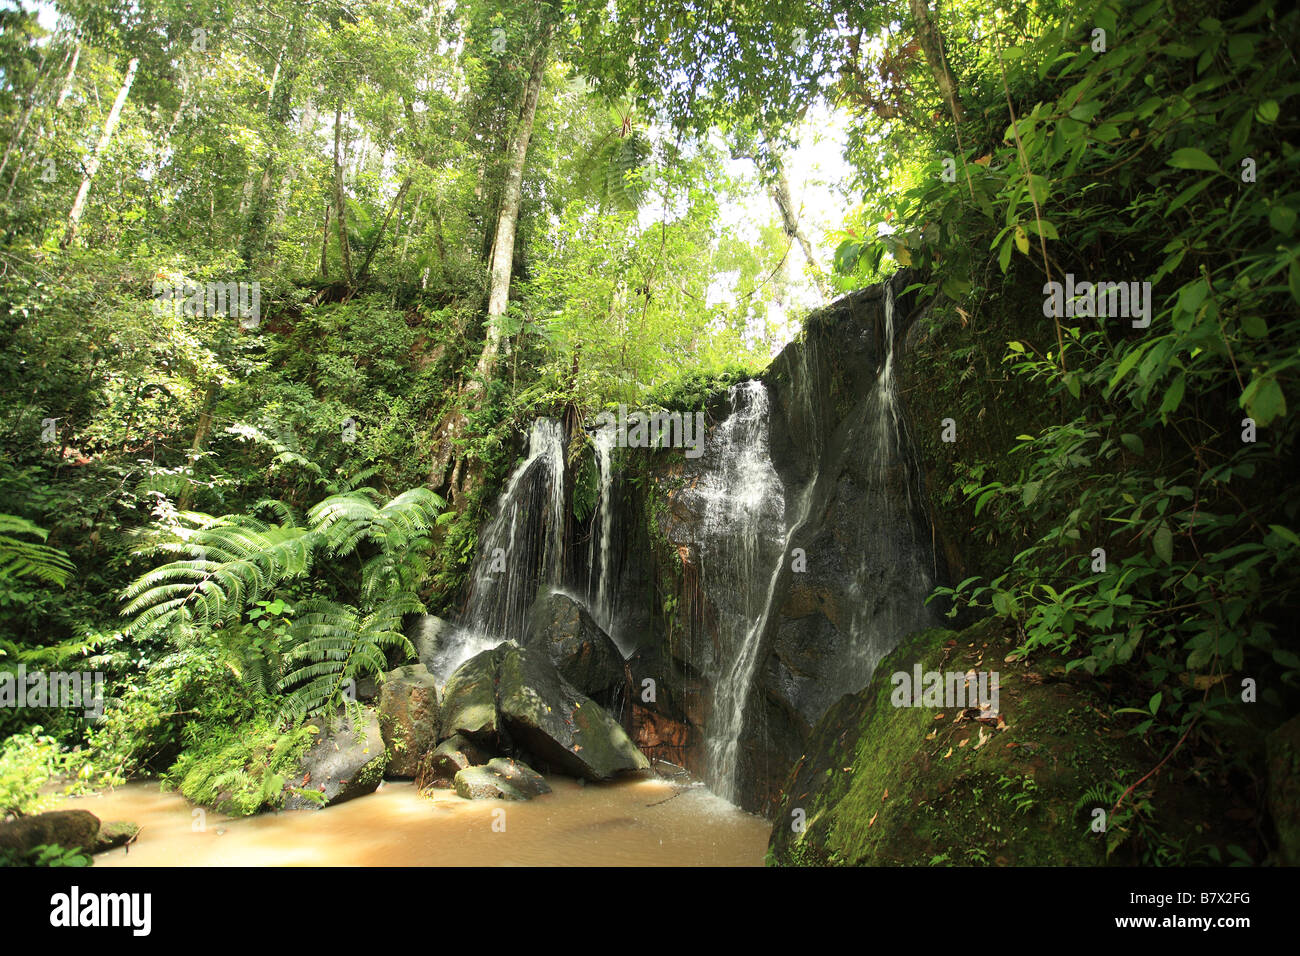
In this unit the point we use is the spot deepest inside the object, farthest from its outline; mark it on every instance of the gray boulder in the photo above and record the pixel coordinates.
(469, 699)
(408, 718)
(520, 776)
(561, 628)
(562, 728)
(346, 760)
(438, 767)
(480, 783)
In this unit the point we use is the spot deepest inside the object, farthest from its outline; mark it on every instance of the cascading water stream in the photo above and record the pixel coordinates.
(520, 550)
(892, 587)
(742, 504)
(601, 587)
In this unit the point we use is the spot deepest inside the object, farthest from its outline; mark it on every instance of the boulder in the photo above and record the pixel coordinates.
(469, 699)
(520, 776)
(408, 718)
(346, 760)
(70, 829)
(562, 728)
(438, 767)
(586, 657)
(114, 834)
(480, 783)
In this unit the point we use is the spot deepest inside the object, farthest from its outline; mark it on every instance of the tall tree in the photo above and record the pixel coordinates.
(503, 247)
(92, 165)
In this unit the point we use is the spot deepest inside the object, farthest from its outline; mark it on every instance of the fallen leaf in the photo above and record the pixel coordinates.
(885, 796)
(872, 821)
(984, 738)
(947, 755)
(964, 742)
(939, 716)
(931, 735)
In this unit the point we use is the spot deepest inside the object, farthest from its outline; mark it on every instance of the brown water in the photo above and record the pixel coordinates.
(631, 823)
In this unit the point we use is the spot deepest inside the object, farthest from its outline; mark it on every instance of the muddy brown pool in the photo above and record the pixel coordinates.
(629, 823)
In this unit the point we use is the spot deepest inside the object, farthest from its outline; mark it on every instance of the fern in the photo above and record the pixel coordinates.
(30, 559)
(226, 564)
(338, 646)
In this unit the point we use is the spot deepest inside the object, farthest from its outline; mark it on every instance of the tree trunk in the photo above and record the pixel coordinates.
(200, 439)
(325, 245)
(279, 109)
(780, 188)
(503, 247)
(932, 44)
(92, 166)
(340, 208)
(383, 228)
(72, 75)
(21, 126)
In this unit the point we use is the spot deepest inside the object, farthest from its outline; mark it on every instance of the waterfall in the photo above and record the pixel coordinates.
(741, 503)
(892, 580)
(519, 551)
(600, 587)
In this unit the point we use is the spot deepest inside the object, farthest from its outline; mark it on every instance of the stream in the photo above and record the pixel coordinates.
(627, 823)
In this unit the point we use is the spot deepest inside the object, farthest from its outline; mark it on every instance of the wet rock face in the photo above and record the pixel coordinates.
(346, 760)
(852, 577)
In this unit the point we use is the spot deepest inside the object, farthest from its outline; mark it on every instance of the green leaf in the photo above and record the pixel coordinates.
(1286, 534)
(1282, 218)
(1192, 158)
(1267, 402)
(1133, 443)
(1174, 395)
(1163, 542)
(1267, 111)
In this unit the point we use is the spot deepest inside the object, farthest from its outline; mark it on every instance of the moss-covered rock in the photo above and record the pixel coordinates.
(71, 829)
(408, 718)
(915, 785)
(346, 760)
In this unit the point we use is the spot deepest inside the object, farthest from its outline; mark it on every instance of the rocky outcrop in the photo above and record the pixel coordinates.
(408, 718)
(513, 700)
(839, 571)
(346, 760)
(501, 779)
(561, 628)
(70, 829)
(885, 784)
